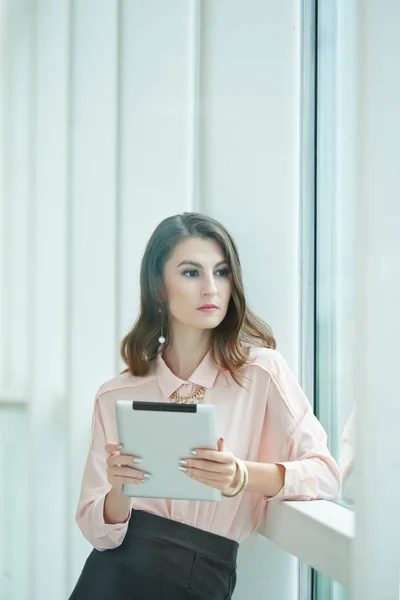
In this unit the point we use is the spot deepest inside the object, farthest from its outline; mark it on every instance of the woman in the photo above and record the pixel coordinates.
(195, 340)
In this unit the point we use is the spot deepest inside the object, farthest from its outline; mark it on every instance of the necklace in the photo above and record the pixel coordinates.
(196, 395)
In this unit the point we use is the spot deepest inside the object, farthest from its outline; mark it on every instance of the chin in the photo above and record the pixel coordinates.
(210, 323)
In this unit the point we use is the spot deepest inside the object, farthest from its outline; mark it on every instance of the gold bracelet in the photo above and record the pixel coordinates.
(244, 478)
(239, 485)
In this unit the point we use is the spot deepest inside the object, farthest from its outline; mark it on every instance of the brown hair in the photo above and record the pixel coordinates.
(240, 327)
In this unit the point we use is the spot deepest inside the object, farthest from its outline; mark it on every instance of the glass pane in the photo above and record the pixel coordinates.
(335, 231)
(327, 589)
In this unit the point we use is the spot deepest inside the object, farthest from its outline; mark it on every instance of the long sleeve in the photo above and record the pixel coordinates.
(297, 440)
(94, 488)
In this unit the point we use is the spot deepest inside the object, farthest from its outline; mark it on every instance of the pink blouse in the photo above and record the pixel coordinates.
(270, 420)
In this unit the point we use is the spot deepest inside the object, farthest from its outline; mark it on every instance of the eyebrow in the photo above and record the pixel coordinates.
(196, 264)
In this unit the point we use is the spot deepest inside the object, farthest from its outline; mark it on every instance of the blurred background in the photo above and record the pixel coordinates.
(278, 118)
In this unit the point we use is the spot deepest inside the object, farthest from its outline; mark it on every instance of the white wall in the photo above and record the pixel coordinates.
(122, 116)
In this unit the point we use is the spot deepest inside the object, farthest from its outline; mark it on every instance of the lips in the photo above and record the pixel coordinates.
(207, 306)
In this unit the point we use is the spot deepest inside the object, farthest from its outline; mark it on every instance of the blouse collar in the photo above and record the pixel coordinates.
(205, 374)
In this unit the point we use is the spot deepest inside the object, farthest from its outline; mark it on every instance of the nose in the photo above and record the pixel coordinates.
(209, 286)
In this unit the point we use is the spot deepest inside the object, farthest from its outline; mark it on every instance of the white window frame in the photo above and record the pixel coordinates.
(320, 533)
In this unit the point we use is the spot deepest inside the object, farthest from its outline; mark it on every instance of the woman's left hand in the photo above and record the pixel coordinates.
(215, 468)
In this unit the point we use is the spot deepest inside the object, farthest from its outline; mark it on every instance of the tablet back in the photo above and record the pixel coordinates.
(162, 434)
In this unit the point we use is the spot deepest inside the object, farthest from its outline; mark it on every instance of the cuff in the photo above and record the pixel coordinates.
(101, 535)
(106, 528)
(291, 486)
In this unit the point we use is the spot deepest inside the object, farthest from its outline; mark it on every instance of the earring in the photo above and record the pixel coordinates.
(161, 339)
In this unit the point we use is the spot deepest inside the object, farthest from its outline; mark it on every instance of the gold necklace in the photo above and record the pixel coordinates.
(196, 395)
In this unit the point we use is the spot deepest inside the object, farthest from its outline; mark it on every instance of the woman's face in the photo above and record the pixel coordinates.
(195, 275)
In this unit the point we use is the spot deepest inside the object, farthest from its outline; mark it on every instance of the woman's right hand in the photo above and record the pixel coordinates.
(121, 468)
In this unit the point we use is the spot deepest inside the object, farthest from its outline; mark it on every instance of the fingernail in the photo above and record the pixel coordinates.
(137, 460)
(119, 446)
(193, 452)
(182, 469)
(183, 462)
(146, 476)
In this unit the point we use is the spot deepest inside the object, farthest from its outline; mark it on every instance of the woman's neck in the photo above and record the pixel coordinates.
(184, 357)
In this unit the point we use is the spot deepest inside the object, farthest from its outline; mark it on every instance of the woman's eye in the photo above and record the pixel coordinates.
(191, 273)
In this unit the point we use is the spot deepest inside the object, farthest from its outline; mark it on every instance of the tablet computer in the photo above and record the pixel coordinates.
(161, 434)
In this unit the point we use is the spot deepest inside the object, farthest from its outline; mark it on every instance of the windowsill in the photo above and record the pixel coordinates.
(320, 533)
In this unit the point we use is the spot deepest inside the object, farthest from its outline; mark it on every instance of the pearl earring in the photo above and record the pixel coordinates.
(161, 339)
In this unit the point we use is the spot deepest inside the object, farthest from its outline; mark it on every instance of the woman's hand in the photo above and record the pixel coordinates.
(122, 468)
(215, 468)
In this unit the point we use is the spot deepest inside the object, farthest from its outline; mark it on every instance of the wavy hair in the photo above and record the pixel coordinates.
(231, 339)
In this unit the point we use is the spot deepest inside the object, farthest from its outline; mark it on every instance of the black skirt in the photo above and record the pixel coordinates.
(160, 559)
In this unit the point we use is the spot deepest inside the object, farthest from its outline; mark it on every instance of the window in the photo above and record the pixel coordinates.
(335, 243)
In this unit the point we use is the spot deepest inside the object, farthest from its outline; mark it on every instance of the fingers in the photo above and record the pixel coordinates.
(224, 476)
(216, 474)
(208, 476)
(212, 480)
(214, 455)
(123, 468)
(123, 459)
(115, 453)
(126, 475)
(204, 465)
